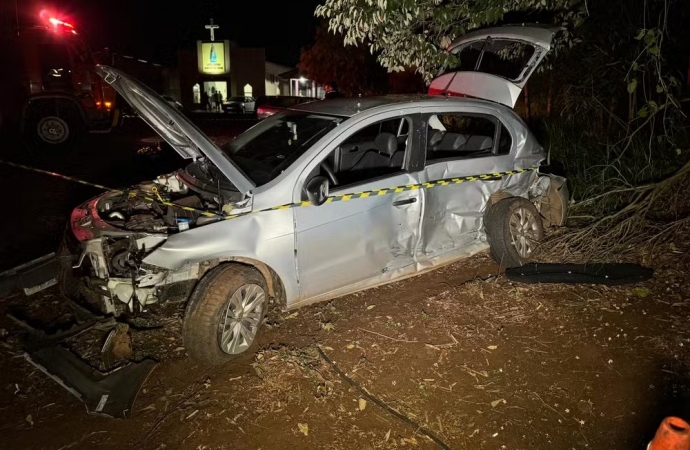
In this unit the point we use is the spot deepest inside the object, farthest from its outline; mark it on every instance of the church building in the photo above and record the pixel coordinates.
(218, 65)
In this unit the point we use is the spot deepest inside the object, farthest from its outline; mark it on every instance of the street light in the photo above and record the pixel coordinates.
(302, 80)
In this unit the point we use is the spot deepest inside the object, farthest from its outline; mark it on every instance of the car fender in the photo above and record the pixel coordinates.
(265, 241)
(276, 288)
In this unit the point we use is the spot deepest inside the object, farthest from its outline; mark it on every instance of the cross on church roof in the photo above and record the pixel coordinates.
(212, 28)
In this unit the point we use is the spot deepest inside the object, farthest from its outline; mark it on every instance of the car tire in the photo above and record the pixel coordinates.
(224, 314)
(513, 229)
(53, 127)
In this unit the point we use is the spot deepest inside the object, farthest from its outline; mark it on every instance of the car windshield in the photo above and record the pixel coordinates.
(267, 149)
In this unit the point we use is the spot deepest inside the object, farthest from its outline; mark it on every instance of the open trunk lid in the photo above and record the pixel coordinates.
(495, 63)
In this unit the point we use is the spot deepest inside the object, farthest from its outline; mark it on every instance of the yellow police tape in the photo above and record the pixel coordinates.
(335, 198)
(395, 190)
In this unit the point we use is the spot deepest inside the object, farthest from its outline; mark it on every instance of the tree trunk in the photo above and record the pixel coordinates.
(550, 97)
(527, 109)
(612, 111)
(631, 110)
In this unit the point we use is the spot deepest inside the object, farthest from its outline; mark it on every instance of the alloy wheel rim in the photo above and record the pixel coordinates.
(241, 318)
(524, 231)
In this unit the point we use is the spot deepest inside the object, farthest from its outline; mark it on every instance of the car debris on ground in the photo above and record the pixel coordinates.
(111, 393)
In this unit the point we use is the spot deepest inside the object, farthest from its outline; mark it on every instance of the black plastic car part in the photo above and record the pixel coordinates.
(598, 273)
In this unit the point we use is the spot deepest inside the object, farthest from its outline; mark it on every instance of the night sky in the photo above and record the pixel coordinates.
(154, 28)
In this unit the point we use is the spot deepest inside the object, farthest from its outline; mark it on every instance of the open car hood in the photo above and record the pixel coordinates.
(495, 63)
(177, 130)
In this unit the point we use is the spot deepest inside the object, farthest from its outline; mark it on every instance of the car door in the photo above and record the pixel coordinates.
(357, 241)
(459, 143)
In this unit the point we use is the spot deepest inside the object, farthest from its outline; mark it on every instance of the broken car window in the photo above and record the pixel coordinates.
(459, 136)
(505, 141)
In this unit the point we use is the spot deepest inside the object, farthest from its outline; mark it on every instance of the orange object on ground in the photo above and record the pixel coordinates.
(672, 434)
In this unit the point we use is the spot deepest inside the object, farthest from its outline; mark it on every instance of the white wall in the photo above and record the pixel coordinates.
(274, 85)
(273, 88)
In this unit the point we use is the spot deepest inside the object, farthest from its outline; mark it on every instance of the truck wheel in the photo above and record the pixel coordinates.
(224, 314)
(53, 127)
(513, 229)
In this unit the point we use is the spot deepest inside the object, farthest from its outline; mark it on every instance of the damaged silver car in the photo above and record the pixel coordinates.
(319, 201)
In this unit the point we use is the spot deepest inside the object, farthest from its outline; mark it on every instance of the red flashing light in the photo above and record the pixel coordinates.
(57, 22)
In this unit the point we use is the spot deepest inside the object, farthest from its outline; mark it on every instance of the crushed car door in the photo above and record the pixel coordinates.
(362, 239)
(459, 143)
(495, 63)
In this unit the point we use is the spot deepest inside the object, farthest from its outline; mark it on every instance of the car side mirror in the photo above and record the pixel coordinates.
(317, 190)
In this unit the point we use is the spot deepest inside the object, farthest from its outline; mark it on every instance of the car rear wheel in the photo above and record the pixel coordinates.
(224, 314)
(513, 229)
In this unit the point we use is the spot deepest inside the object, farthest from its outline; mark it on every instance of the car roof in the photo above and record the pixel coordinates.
(350, 106)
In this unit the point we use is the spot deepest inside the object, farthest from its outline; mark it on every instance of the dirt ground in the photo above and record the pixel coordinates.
(479, 361)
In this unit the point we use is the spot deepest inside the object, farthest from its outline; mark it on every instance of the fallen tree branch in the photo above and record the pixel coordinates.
(614, 192)
(655, 212)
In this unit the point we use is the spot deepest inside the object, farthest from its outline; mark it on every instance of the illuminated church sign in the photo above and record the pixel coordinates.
(213, 58)
(212, 54)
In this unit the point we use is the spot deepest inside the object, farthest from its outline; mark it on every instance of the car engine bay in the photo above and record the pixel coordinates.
(147, 207)
(117, 230)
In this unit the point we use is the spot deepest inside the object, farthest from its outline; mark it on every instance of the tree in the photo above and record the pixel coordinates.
(352, 67)
(415, 33)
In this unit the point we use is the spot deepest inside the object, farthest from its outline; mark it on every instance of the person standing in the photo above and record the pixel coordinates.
(219, 101)
(205, 101)
(213, 99)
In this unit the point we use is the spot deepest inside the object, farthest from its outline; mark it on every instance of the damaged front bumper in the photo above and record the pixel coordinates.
(101, 266)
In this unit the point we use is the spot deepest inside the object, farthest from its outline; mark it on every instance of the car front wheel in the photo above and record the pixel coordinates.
(513, 229)
(224, 314)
